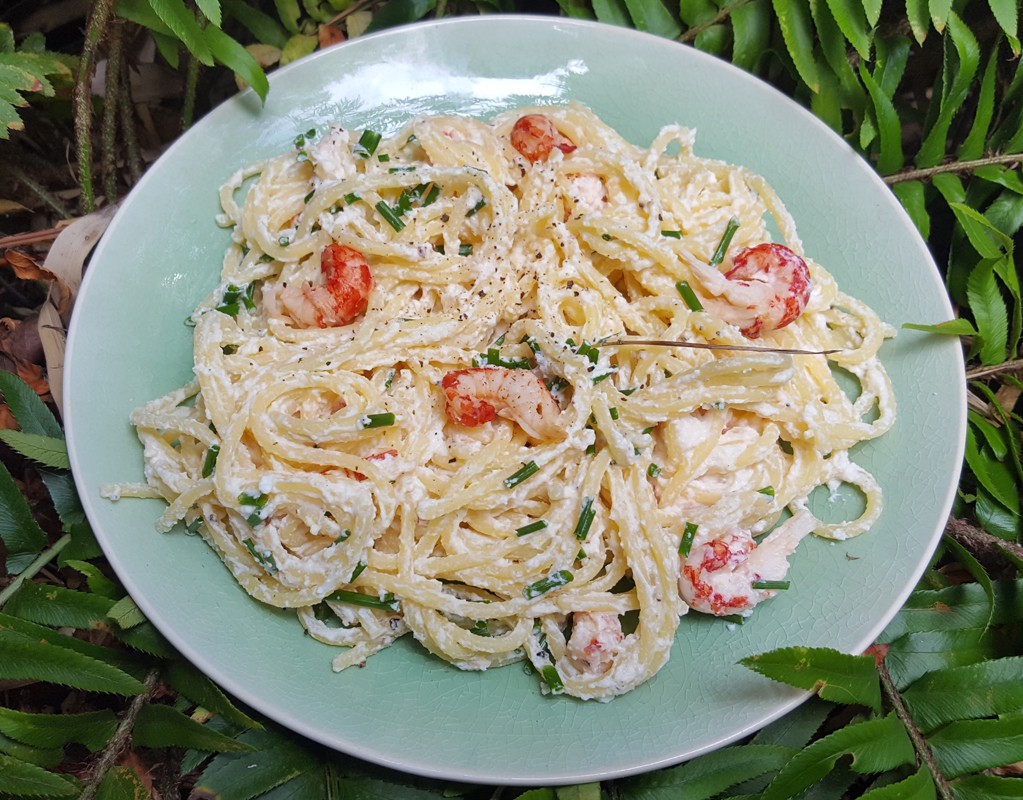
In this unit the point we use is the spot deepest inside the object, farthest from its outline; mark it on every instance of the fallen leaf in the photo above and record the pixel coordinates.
(329, 35)
(27, 268)
(11, 207)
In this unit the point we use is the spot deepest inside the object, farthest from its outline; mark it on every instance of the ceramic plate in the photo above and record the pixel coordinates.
(406, 710)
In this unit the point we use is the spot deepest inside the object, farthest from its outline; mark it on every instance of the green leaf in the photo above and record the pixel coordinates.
(751, 33)
(612, 12)
(797, 727)
(974, 567)
(235, 57)
(31, 413)
(872, 8)
(918, 786)
(875, 746)
(834, 676)
(122, 783)
(242, 776)
(985, 237)
(264, 27)
(962, 58)
(914, 654)
(24, 779)
(958, 607)
(890, 158)
(98, 582)
(851, 19)
(985, 787)
(953, 327)
(47, 758)
(976, 690)
(973, 745)
(163, 726)
(992, 474)
(128, 662)
(400, 12)
(211, 10)
(45, 450)
(973, 145)
(29, 660)
(298, 46)
(794, 20)
(939, 11)
(709, 775)
(126, 614)
(651, 16)
(1006, 13)
(91, 729)
(61, 486)
(59, 607)
(990, 312)
(191, 683)
(182, 23)
(919, 20)
(913, 198)
(19, 531)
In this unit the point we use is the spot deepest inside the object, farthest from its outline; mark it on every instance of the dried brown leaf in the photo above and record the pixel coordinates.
(329, 35)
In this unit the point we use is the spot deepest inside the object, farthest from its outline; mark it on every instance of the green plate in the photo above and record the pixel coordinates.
(162, 254)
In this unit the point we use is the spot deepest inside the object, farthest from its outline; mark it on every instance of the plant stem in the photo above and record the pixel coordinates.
(120, 738)
(952, 166)
(721, 16)
(99, 17)
(923, 750)
(191, 84)
(1015, 365)
(36, 188)
(32, 570)
(980, 542)
(111, 100)
(131, 139)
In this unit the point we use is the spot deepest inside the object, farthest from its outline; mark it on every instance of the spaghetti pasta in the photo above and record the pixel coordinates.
(417, 407)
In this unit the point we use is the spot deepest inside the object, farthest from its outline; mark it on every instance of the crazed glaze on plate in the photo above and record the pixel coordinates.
(163, 252)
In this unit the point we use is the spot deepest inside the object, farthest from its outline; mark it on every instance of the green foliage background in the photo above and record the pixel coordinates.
(930, 92)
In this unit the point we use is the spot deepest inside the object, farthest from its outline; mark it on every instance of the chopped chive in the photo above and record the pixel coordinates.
(265, 560)
(771, 585)
(231, 309)
(479, 205)
(493, 358)
(544, 585)
(480, 627)
(394, 170)
(552, 679)
(351, 197)
(672, 234)
(359, 569)
(520, 475)
(735, 619)
(193, 527)
(653, 470)
(591, 449)
(432, 195)
(627, 392)
(367, 144)
(386, 603)
(390, 378)
(688, 535)
(255, 500)
(532, 527)
(412, 139)
(586, 514)
(768, 490)
(383, 157)
(689, 296)
(211, 460)
(556, 383)
(266, 258)
(613, 412)
(390, 216)
(233, 294)
(343, 536)
(465, 249)
(607, 237)
(726, 239)
(439, 248)
(376, 420)
(580, 555)
(309, 196)
(283, 241)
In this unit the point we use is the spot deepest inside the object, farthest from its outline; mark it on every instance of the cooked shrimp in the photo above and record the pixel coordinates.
(478, 395)
(717, 576)
(340, 299)
(535, 136)
(770, 288)
(595, 640)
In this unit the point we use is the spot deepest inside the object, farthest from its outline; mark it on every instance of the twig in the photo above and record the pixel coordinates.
(721, 16)
(32, 237)
(357, 6)
(81, 98)
(1015, 365)
(923, 750)
(191, 86)
(33, 569)
(115, 63)
(952, 166)
(121, 737)
(131, 139)
(37, 189)
(980, 541)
